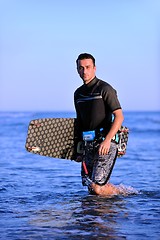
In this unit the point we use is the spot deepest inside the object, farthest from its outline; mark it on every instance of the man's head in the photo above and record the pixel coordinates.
(86, 67)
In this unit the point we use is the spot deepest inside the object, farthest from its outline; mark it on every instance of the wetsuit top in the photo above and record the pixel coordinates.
(94, 104)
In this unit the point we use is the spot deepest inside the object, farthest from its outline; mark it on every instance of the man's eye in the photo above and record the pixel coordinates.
(80, 68)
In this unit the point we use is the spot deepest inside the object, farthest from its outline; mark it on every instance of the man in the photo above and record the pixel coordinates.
(96, 104)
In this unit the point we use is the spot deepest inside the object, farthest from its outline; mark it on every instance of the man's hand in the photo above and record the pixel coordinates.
(104, 147)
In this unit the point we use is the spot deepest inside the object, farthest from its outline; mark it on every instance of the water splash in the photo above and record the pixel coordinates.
(126, 190)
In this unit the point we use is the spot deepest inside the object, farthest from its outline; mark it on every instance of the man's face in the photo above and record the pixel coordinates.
(86, 70)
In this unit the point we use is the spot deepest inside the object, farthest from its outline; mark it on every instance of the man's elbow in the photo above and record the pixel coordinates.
(119, 115)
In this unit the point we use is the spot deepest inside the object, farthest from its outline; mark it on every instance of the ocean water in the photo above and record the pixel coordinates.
(42, 197)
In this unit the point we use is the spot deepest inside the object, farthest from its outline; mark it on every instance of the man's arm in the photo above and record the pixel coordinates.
(117, 122)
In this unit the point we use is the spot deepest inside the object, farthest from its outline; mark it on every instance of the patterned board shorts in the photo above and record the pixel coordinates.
(99, 166)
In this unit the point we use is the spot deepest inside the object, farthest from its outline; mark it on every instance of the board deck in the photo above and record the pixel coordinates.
(56, 137)
(52, 137)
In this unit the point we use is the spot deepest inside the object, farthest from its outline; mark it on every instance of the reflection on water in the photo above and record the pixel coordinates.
(88, 216)
(94, 217)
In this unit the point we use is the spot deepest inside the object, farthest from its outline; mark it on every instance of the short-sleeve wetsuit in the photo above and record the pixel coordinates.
(94, 104)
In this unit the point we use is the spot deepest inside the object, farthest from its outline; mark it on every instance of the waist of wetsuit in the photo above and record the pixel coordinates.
(97, 135)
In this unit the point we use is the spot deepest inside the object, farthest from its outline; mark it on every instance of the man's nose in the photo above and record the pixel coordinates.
(84, 70)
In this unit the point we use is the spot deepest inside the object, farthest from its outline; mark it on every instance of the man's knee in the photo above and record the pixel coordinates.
(107, 189)
(96, 189)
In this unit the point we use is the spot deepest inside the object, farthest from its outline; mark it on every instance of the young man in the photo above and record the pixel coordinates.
(96, 103)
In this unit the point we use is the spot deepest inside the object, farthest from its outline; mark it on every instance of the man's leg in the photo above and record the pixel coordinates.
(107, 189)
(102, 169)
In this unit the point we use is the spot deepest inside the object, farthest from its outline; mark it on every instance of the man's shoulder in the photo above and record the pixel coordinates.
(79, 89)
(104, 84)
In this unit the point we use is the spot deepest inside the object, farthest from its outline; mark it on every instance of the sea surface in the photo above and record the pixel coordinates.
(42, 197)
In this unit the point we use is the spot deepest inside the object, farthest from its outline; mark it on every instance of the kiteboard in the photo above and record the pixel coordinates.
(57, 138)
(52, 137)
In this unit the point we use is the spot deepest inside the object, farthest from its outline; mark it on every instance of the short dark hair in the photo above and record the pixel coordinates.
(85, 56)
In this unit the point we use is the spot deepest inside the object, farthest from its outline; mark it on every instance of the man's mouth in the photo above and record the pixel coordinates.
(84, 76)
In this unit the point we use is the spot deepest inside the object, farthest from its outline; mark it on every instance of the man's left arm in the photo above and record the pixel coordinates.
(117, 122)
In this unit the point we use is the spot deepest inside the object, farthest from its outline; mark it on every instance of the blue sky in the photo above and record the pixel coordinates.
(40, 41)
